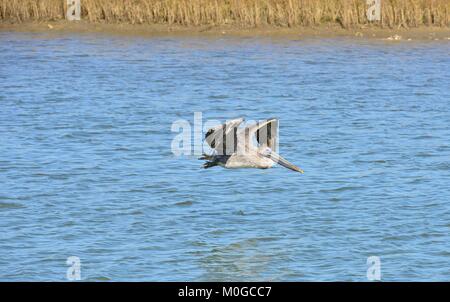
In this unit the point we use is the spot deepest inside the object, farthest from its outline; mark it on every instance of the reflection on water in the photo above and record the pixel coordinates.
(244, 260)
(86, 168)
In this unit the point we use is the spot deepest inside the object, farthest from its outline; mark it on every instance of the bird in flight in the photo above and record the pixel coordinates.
(235, 147)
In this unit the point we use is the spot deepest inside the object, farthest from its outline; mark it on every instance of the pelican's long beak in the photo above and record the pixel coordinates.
(280, 160)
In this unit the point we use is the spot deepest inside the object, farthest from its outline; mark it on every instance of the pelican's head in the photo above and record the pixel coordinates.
(267, 152)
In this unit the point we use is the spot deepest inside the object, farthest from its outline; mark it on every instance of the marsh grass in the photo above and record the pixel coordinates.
(241, 13)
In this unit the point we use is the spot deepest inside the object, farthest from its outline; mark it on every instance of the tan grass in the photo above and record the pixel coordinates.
(241, 13)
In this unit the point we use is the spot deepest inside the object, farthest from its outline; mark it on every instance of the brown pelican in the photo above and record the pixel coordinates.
(235, 147)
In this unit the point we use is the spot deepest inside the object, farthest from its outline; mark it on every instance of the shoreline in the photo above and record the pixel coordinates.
(323, 31)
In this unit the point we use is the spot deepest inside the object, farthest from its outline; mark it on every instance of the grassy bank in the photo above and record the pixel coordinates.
(240, 13)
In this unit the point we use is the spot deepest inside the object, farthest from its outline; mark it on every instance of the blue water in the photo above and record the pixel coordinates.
(86, 167)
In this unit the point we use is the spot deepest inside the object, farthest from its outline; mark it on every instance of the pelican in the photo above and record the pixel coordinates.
(235, 147)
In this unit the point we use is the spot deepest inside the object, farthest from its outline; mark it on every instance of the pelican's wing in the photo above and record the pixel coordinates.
(266, 133)
(222, 138)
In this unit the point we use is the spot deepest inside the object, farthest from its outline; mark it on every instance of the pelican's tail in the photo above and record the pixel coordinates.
(206, 157)
(211, 160)
(210, 164)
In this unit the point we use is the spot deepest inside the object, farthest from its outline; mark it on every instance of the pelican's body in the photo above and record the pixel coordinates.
(249, 161)
(234, 147)
(236, 161)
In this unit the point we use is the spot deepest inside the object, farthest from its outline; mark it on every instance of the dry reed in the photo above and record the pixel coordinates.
(241, 13)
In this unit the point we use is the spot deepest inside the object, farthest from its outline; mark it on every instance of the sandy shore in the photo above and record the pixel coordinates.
(402, 34)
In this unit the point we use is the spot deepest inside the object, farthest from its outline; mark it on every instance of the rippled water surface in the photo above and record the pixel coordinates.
(86, 167)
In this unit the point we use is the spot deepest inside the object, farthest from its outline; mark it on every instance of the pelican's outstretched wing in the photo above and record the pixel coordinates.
(266, 133)
(223, 138)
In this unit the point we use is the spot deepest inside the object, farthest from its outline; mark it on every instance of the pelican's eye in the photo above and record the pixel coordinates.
(267, 151)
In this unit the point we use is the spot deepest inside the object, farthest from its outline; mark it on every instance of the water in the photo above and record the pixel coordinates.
(86, 167)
